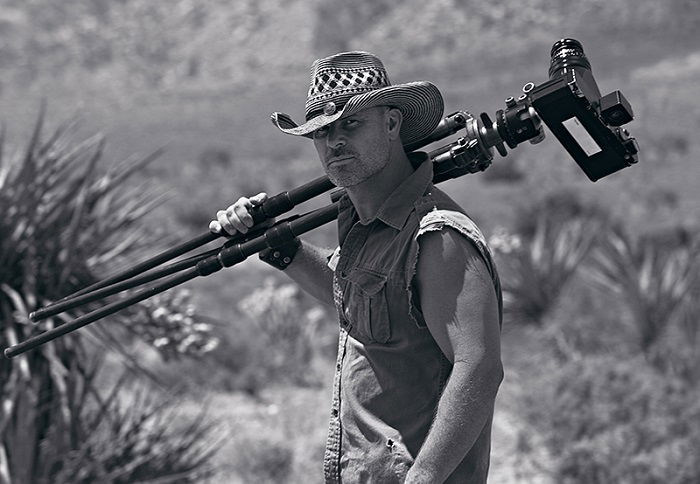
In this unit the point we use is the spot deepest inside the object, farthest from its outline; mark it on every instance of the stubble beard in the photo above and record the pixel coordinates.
(359, 169)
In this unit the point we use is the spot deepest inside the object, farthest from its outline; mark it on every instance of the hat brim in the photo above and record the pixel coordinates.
(420, 102)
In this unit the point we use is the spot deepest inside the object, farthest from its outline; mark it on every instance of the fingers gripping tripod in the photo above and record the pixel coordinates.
(569, 103)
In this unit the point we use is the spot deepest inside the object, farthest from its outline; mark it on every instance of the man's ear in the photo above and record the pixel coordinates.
(394, 118)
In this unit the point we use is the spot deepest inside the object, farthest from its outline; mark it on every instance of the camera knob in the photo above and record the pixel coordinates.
(492, 134)
(510, 101)
(528, 87)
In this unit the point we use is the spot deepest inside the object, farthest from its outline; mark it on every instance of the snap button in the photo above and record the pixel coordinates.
(329, 108)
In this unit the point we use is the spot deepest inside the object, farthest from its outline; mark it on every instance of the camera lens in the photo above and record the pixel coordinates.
(567, 53)
(569, 61)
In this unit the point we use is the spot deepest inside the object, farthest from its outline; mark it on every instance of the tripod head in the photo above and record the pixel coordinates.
(587, 125)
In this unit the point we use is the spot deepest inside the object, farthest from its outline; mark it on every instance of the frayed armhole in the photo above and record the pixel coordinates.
(437, 220)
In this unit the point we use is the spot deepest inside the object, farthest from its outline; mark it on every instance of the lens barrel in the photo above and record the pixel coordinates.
(568, 59)
(567, 53)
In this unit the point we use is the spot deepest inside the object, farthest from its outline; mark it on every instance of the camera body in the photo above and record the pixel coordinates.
(587, 124)
(584, 130)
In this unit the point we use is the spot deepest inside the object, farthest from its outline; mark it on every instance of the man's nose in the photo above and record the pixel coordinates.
(334, 140)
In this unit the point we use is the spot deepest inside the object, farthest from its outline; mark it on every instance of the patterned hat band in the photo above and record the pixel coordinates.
(339, 85)
(346, 83)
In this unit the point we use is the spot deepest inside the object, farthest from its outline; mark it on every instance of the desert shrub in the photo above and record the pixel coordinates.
(611, 419)
(537, 268)
(631, 417)
(291, 333)
(277, 334)
(558, 208)
(62, 220)
(656, 281)
(170, 324)
(541, 255)
(133, 434)
(229, 174)
(263, 458)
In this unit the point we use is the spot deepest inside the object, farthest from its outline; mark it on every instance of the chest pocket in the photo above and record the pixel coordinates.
(365, 306)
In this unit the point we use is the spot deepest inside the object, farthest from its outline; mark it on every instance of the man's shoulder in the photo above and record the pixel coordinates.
(440, 219)
(436, 210)
(436, 198)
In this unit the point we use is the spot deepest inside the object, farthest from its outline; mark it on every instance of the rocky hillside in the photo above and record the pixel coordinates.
(118, 45)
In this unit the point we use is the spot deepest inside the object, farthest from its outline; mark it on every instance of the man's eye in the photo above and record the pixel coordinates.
(351, 123)
(321, 132)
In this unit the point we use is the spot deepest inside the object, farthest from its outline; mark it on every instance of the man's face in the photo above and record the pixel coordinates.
(355, 147)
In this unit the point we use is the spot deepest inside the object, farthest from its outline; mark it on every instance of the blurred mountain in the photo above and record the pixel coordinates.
(113, 45)
(142, 44)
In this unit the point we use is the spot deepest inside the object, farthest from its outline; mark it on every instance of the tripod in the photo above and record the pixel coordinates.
(236, 248)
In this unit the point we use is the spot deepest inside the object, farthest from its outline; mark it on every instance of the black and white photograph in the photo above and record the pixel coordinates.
(357, 242)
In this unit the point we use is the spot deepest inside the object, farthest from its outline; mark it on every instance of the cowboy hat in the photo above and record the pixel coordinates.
(345, 83)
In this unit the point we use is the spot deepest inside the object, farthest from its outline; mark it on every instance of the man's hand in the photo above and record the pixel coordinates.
(309, 270)
(236, 218)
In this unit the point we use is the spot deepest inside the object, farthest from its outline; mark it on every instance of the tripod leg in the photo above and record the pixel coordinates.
(88, 318)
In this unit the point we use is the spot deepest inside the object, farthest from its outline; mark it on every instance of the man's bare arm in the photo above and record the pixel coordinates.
(310, 270)
(459, 304)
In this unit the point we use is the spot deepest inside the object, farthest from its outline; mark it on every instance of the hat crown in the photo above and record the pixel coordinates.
(347, 83)
(339, 77)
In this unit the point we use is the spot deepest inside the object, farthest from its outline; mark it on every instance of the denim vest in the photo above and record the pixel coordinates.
(390, 373)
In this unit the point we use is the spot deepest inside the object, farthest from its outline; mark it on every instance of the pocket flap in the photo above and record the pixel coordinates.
(368, 282)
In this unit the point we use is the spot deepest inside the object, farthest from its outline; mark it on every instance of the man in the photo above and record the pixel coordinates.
(413, 282)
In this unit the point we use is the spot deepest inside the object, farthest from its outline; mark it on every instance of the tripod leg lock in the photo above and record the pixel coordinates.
(282, 246)
(208, 266)
(231, 255)
(280, 257)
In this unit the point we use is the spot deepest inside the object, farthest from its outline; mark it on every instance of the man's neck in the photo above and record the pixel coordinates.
(368, 196)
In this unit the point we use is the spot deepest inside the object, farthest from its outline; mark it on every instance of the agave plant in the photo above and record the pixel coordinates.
(656, 282)
(63, 221)
(146, 439)
(539, 267)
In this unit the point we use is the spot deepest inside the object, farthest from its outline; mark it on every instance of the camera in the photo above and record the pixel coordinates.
(588, 125)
